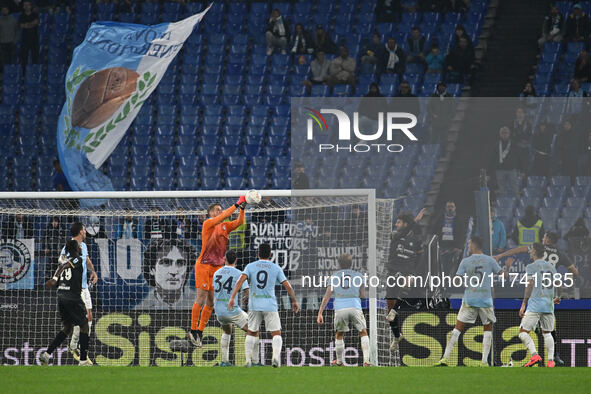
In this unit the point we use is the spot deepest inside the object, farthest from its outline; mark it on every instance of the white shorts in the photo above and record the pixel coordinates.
(468, 314)
(343, 317)
(530, 320)
(86, 298)
(240, 320)
(255, 318)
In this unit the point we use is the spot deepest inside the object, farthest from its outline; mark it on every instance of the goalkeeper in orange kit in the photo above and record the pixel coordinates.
(213, 250)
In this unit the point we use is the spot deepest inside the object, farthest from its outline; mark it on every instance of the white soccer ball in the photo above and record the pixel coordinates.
(253, 197)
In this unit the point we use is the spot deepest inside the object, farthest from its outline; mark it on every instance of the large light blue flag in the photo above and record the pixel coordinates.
(113, 71)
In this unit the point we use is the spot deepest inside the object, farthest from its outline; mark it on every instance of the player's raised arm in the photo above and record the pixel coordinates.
(241, 203)
(511, 252)
(235, 291)
(237, 222)
(291, 293)
(325, 299)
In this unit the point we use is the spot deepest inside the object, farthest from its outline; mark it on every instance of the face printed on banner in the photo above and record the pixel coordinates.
(170, 270)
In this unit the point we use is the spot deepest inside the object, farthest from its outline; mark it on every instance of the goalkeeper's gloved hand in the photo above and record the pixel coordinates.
(241, 203)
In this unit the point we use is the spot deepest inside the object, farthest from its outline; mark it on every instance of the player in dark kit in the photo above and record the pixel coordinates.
(405, 251)
(552, 255)
(69, 303)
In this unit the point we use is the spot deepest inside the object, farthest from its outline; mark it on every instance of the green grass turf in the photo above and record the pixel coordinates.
(136, 380)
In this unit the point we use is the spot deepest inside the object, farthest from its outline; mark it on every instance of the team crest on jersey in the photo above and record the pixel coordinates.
(15, 260)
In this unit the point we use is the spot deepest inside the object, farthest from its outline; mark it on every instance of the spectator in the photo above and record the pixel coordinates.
(301, 44)
(277, 33)
(17, 227)
(542, 148)
(8, 36)
(460, 33)
(435, 60)
(319, 68)
(528, 90)
(568, 149)
(499, 234)
(409, 104)
(388, 11)
(342, 69)
(392, 58)
(416, 43)
(578, 230)
(374, 91)
(577, 27)
(300, 180)
(369, 108)
(552, 28)
(322, 41)
(574, 104)
(451, 230)
(128, 228)
(460, 62)
(507, 163)
(441, 111)
(372, 51)
(156, 227)
(183, 227)
(583, 67)
(54, 237)
(29, 21)
(585, 157)
(529, 228)
(522, 130)
(60, 183)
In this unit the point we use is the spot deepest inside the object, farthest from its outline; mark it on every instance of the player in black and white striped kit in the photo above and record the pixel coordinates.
(70, 306)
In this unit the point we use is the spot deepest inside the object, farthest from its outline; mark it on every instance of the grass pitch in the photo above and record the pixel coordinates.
(303, 380)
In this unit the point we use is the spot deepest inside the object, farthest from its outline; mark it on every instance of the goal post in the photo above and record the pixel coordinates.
(138, 310)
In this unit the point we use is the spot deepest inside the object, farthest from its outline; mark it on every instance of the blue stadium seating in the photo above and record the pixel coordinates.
(205, 97)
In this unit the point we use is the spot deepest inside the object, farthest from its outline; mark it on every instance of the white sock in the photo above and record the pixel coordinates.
(528, 342)
(365, 348)
(455, 334)
(339, 345)
(225, 342)
(549, 342)
(75, 337)
(486, 344)
(89, 327)
(248, 345)
(256, 352)
(277, 344)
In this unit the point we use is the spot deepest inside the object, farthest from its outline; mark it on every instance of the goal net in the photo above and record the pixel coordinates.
(140, 304)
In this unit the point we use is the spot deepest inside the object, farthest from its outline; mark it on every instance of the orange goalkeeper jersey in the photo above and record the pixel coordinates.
(215, 237)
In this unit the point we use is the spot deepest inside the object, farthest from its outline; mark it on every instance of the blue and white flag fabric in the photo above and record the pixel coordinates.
(113, 71)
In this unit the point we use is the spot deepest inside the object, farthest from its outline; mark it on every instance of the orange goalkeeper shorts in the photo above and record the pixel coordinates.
(204, 275)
